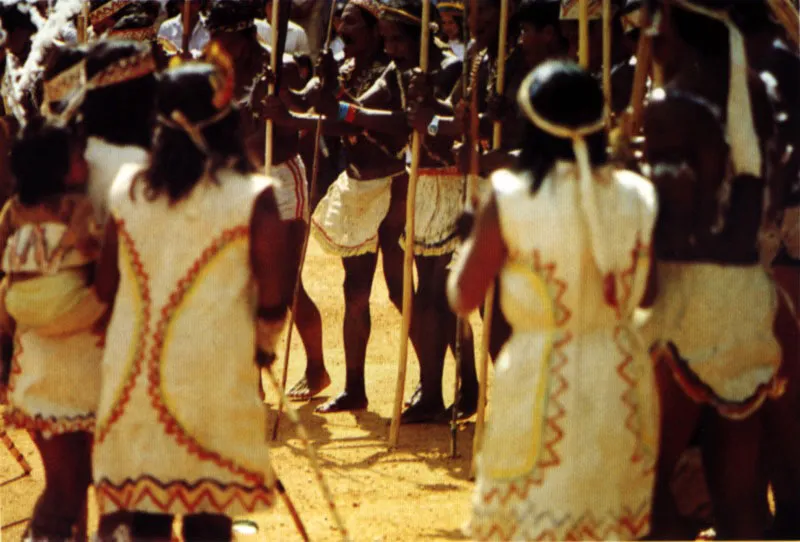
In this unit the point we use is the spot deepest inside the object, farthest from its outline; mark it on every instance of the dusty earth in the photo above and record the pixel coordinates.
(415, 492)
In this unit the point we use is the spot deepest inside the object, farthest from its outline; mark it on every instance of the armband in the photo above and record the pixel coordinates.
(347, 112)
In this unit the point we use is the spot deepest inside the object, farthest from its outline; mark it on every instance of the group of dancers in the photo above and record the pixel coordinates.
(637, 213)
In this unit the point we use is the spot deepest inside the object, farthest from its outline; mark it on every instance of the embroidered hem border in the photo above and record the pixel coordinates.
(50, 425)
(700, 392)
(147, 494)
(370, 246)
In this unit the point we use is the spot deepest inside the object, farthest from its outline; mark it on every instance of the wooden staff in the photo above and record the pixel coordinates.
(14, 451)
(298, 280)
(82, 27)
(465, 65)
(408, 262)
(312, 455)
(607, 58)
(488, 304)
(786, 14)
(583, 34)
(633, 114)
(187, 30)
(273, 65)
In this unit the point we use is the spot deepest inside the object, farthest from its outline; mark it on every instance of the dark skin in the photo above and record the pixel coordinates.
(252, 56)
(768, 54)
(432, 323)
(365, 156)
(688, 160)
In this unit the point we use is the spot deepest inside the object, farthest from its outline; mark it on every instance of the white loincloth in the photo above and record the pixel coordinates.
(291, 190)
(439, 205)
(347, 219)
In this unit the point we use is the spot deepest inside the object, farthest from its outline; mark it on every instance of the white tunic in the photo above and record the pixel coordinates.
(180, 425)
(104, 160)
(572, 439)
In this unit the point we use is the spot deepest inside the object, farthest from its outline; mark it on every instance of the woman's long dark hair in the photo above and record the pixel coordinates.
(176, 164)
(567, 95)
(123, 113)
(40, 161)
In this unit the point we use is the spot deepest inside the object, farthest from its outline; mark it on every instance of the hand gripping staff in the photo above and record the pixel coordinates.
(408, 261)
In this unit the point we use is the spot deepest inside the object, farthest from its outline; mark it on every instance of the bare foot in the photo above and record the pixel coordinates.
(310, 385)
(343, 403)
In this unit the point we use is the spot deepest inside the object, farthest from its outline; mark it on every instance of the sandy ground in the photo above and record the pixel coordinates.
(413, 493)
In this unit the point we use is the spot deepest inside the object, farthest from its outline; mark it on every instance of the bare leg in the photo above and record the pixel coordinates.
(680, 417)
(782, 416)
(67, 467)
(730, 454)
(309, 325)
(207, 527)
(359, 272)
(433, 328)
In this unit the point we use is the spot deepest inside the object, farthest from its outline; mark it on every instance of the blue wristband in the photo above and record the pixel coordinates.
(344, 107)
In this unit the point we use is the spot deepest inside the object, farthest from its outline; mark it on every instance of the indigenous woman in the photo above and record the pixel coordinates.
(117, 112)
(717, 358)
(181, 416)
(50, 245)
(570, 448)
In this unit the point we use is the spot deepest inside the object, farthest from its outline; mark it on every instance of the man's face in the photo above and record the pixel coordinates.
(398, 45)
(487, 22)
(536, 43)
(354, 31)
(450, 27)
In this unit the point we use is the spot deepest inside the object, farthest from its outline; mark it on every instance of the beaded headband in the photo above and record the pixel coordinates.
(450, 6)
(373, 7)
(65, 83)
(135, 34)
(399, 16)
(108, 10)
(124, 69)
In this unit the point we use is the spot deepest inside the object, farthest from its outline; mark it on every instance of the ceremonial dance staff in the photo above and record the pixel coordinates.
(14, 451)
(312, 190)
(187, 32)
(408, 262)
(607, 60)
(488, 306)
(632, 122)
(279, 25)
(583, 34)
(459, 321)
(786, 14)
(312, 456)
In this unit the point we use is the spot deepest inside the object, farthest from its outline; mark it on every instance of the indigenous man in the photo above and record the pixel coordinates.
(713, 362)
(364, 208)
(172, 30)
(232, 26)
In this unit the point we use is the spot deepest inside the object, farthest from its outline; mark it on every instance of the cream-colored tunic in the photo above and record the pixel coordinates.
(104, 160)
(572, 439)
(180, 426)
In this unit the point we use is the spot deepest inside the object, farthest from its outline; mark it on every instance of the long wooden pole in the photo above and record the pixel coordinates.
(273, 65)
(187, 30)
(298, 280)
(82, 27)
(607, 58)
(488, 304)
(633, 120)
(408, 261)
(460, 323)
(583, 34)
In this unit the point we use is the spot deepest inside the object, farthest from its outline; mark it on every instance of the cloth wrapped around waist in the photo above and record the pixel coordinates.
(59, 304)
